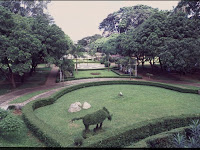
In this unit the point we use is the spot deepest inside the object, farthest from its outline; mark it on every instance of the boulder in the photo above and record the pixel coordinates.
(86, 105)
(75, 107)
(120, 94)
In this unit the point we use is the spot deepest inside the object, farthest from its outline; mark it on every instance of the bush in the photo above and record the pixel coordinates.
(102, 61)
(10, 125)
(78, 141)
(107, 64)
(190, 141)
(3, 114)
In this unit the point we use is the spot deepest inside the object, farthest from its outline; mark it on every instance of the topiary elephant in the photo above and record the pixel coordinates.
(95, 118)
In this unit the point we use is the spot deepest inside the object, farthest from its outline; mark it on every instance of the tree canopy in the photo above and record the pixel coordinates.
(126, 18)
(28, 41)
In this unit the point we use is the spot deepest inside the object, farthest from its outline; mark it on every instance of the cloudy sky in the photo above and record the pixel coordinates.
(79, 19)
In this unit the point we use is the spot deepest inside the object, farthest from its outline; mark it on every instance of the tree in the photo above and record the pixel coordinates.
(76, 52)
(125, 19)
(89, 39)
(192, 8)
(150, 36)
(181, 56)
(26, 8)
(25, 42)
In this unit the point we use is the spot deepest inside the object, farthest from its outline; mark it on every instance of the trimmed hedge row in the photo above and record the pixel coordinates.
(120, 76)
(161, 140)
(69, 79)
(96, 69)
(53, 138)
(114, 70)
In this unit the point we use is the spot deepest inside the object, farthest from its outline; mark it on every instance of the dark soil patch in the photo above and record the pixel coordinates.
(95, 73)
(17, 112)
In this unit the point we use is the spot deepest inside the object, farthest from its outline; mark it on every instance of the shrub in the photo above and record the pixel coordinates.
(78, 141)
(10, 125)
(102, 61)
(190, 141)
(3, 114)
(107, 64)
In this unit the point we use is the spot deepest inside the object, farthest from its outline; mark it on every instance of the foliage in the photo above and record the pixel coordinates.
(25, 8)
(162, 36)
(9, 124)
(89, 39)
(95, 118)
(3, 114)
(192, 8)
(180, 140)
(125, 19)
(107, 63)
(78, 141)
(26, 41)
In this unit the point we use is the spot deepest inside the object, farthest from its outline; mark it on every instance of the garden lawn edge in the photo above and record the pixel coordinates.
(124, 137)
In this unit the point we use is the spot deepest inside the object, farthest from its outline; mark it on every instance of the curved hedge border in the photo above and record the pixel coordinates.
(135, 132)
(161, 140)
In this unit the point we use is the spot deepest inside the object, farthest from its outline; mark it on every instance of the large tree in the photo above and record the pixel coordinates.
(125, 19)
(89, 39)
(25, 7)
(25, 42)
(192, 8)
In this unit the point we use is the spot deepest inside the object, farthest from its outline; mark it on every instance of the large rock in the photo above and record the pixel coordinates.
(75, 107)
(86, 105)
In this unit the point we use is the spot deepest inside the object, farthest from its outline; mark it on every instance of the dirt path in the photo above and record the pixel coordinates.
(50, 84)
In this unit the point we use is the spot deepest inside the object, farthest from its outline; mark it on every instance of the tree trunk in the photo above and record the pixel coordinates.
(151, 65)
(161, 67)
(142, 64)
(12, 79)
(11, 76)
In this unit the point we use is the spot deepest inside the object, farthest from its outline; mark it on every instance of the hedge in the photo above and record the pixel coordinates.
(135, 132)
(69, 79)
(161, 140)
(120, 76)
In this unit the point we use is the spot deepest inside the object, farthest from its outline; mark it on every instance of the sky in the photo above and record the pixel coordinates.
(80, 19)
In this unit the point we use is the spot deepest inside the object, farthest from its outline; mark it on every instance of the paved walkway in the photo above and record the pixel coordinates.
(54, 87)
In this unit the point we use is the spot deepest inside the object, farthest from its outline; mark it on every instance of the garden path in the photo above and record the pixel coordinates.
(54, 87)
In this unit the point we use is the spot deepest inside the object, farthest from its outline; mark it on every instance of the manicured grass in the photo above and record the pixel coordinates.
(26, 97)
(139, 103)
(83, 74)
(22, 139)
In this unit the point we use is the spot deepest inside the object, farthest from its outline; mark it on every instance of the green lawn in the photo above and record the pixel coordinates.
(83, 74)
(139, 103)
(26, 97)
(23, 139)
